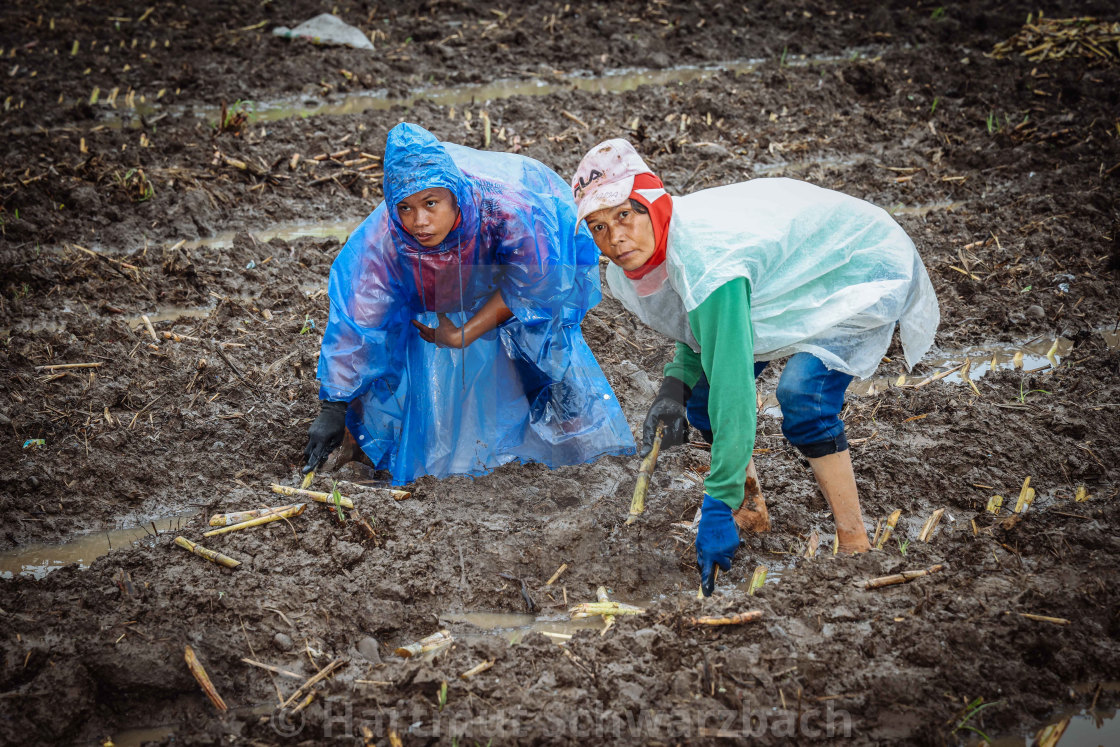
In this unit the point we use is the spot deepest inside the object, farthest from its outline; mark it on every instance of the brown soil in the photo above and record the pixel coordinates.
(901, 105)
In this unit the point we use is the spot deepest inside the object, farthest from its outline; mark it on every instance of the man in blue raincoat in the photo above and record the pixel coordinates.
(454, 342)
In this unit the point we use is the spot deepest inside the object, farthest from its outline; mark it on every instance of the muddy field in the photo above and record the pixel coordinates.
(124, 193)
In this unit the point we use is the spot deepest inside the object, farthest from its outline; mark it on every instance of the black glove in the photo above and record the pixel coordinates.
(668, 408)
(325, 434)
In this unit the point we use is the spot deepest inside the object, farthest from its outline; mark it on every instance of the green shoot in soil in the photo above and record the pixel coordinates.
(902, 545)
(136, 185)
(336, 499)
(974, 708)
(442, 694)
(1023, 392)
(233, 118)
(308, 325)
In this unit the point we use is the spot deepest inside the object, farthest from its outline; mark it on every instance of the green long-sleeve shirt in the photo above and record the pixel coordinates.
(722, 327)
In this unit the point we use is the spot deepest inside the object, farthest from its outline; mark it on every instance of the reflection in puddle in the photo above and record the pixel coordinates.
(773, 574)
(39, 560)
(1083, 729)
(1087, 727)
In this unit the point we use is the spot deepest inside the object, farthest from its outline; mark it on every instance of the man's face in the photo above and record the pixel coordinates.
(623, 235)
(429, 215)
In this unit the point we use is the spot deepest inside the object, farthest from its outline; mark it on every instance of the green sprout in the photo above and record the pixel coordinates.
(970, 711)
(938, 13)
(785, 54)
(442, 694)
(336, 499)
(902, 545)
(1023, 392)
(308, 325)
(136, 185)
(233, 118)
(936, 101)
(993, 123)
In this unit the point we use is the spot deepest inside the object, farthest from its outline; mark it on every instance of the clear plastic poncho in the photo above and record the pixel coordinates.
(830, 274)
(529, 390)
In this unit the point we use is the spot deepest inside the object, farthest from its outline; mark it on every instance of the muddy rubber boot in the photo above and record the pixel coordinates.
(837, 481)
(752, 515)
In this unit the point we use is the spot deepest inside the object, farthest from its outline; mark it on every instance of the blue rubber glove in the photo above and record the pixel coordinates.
(717, 539)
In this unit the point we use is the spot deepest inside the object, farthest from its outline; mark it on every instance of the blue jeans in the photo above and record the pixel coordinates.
(811, 397)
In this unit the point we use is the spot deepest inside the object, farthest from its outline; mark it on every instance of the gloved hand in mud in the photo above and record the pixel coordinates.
(325, 434)
(668, 408)
(717, 539)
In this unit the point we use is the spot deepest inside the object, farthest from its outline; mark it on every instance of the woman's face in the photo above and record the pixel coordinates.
(623, 235)
(429, 215)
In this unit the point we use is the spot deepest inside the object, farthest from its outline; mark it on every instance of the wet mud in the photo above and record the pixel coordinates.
(127, 204)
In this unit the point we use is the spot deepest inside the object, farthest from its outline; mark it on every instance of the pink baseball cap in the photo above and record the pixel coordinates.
(605, 177)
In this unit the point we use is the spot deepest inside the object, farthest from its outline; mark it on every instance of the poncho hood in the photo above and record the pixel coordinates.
(415, 160)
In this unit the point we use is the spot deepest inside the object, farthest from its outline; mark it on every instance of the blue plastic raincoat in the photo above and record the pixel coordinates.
(530, 390)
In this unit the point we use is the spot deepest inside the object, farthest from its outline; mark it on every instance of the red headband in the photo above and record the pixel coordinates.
(649, 192)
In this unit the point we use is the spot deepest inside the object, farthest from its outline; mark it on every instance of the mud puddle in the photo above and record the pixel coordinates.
(336, 229)
(923, 210)
(613, 81)
(38, 560)
(169, 314)
(162, 733)
(949, 368)
(1086, 727)
(514, 626)
(137, 737)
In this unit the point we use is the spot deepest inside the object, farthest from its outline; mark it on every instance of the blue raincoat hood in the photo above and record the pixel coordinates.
(415, 160)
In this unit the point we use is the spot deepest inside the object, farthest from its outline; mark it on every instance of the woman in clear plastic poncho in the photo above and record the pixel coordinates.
(742, 275)
(453, 344)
